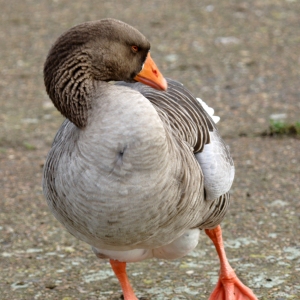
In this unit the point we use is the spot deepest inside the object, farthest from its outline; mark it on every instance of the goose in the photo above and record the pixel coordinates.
(138, 167)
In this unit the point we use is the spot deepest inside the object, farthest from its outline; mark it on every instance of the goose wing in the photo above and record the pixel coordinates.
(190, 122)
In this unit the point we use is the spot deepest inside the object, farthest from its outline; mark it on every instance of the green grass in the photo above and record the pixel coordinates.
(29, 146)
(278, 127)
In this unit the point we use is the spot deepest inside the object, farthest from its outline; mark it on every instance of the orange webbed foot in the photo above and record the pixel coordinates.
(229, 287)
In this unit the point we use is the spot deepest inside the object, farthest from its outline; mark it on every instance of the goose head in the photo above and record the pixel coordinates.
(91, 53)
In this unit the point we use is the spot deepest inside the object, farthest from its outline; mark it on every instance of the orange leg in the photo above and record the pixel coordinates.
(119, 269)
(229, 287)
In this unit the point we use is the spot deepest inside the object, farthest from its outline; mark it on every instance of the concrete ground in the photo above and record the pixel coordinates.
(242, 58)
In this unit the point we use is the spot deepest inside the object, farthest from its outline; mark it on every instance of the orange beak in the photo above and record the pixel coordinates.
(151, 76)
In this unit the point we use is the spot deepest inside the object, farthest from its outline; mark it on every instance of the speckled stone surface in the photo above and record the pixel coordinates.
(242, 58)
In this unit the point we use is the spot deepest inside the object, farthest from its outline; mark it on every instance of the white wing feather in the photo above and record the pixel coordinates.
(209, 110)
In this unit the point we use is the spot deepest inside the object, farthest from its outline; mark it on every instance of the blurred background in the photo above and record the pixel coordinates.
(243, 59)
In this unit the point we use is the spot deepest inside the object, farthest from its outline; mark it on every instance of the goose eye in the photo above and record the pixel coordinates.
(135, 48)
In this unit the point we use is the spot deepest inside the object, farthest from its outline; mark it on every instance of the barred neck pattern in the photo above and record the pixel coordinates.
(71, 88)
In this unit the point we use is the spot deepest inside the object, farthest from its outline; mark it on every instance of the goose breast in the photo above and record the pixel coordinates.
(121, 183)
